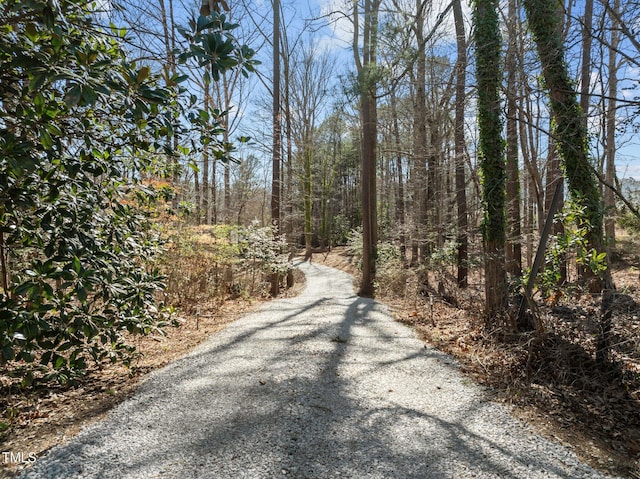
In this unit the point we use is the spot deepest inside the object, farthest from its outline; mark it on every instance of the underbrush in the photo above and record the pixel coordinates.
(219, 262)
(554, 378)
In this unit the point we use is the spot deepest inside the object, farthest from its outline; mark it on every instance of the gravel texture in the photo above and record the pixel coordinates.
(318, 386)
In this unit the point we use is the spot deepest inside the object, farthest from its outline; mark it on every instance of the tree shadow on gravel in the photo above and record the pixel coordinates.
(298, 396)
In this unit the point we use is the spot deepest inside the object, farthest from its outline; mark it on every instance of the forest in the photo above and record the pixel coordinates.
(475, 164)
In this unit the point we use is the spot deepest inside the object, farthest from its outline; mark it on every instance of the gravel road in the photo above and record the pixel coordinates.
(318, 386)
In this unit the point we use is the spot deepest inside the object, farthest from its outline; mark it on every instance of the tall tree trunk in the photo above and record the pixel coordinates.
(289, 147)
(529, 200)
(277, 138)
(205, 163)
(585, 79)
(571, 137)
(213, 193)
(585, 67)
(307, 194)
(514, 243)
(417, 180)
(168, 28)
(459, 140)
(277, 135)
(554, 176)
(610, 153)
(434, 177)
(368, 115)
(400, 208)
(492, 163)
(420, 135)
(530, 145)
(198, 198)
(227, 164)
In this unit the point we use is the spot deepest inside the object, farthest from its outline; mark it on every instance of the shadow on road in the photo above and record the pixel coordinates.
(323, 385)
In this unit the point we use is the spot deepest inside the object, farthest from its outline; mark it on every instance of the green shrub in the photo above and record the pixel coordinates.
(629, 221)
(80, 125)
(572, 242)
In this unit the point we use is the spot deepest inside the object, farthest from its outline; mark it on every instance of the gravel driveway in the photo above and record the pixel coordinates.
(318, 386)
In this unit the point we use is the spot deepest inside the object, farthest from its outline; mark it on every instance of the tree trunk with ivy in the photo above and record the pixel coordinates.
(570, 131)
(571, 139)
(491, 154)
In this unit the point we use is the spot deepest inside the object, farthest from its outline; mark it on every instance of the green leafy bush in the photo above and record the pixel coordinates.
(76, 122)
(572, 242)
(80, 125)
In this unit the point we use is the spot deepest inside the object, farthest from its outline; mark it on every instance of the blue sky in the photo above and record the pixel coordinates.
(338, 38)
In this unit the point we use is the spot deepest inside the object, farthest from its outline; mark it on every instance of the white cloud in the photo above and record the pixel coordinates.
(339, 13)
(630, 170)
(338, 17)
(628, 93)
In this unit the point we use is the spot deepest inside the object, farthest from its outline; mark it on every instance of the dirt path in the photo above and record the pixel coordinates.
(322, 385)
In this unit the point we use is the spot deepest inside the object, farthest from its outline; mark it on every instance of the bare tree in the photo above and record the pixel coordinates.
(611, 124)
(513, 245)
(585, 66)
(460, 147)
(424, 195)
(310, 80)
